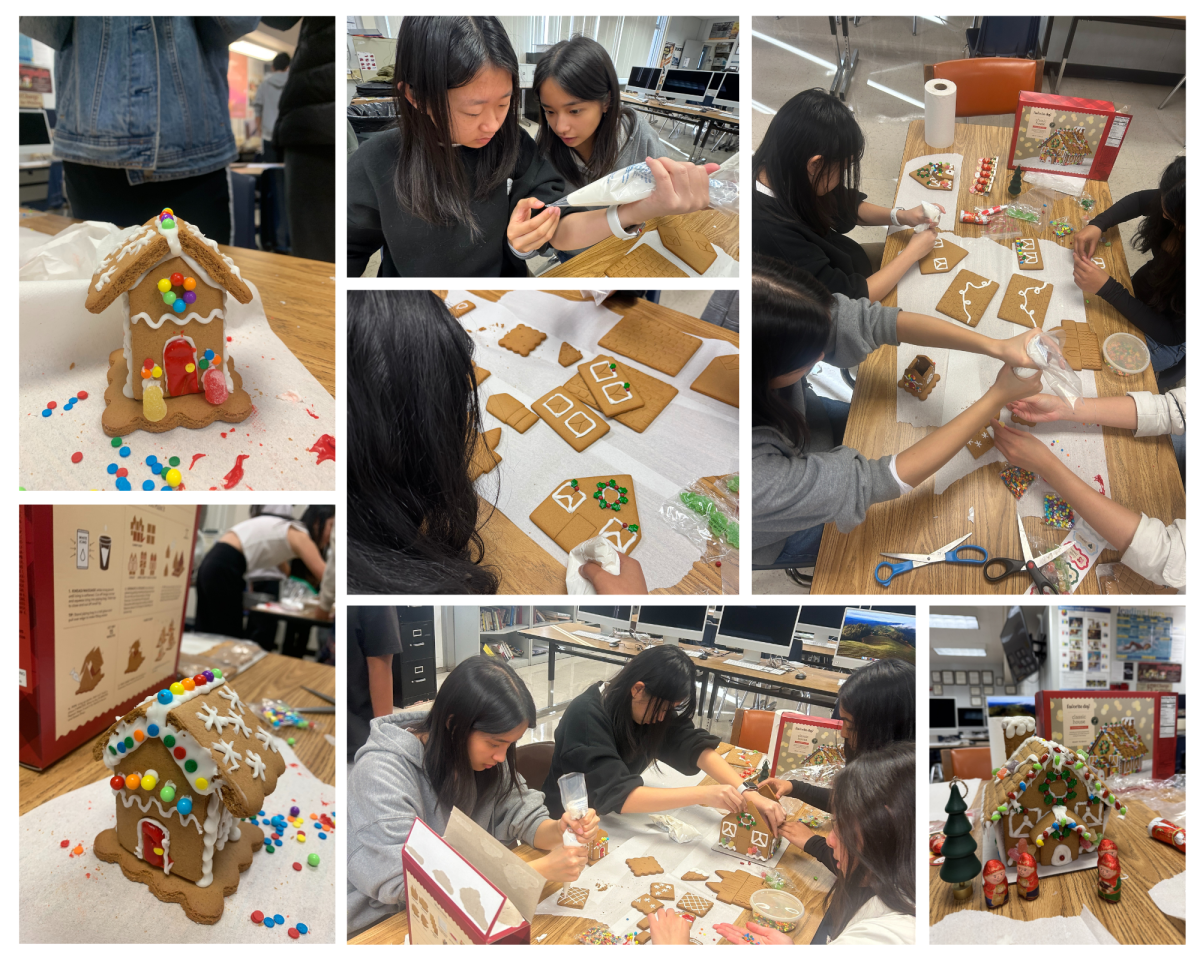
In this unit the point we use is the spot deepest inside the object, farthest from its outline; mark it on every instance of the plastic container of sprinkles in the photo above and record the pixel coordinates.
(1125, 354)
(776, 909)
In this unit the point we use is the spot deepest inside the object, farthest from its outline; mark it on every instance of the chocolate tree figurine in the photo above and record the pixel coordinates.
(995, 884)
(1014, 185)
(961, 866)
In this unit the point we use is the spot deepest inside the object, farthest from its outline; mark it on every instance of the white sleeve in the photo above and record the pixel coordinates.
(1160, 414)
(904, 487)
(1159, 552)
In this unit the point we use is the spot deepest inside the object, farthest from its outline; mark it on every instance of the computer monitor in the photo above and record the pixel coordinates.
(606, 618)
(968, 717)
(677, 623)
(714, 82)
(727, 95)
(870, 635)
(643, 80)
(941, 713)
(820, 626)
(34, 132)
(1011, 707)
(758, 629)
(685, 86)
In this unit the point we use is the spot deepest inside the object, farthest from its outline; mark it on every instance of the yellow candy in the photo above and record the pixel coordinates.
(168, 210)
(201, 783)
(177, 688)
(157, 371)
(300, 837)
(190, 368)
(149, 781)
(174, 477)
(164, 285)
(158, 851)
(154, 408)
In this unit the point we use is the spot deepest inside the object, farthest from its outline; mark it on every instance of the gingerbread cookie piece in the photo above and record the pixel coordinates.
(644, 923)
(522, 339)
(663, 891)
(688, 245)
(943, 258)
(697, 906)
(574, 513)
(967, 297)
(735, 886)
(935, 175)
(646, 904)
(1029, 253)
(643, 937)
(510, 410)
(484, 458)
(656, 344)
(919, 377)
(1026, 301)
(645, 261)
(573, 897)
(1080, 345)
(1023, 422)
(644, 867)
(461, 309)
(568, 355)
(694, 875)
(480, 374)
(720, 379)
(610, 386)
(570, 419)
(982, 442)
(655, 394)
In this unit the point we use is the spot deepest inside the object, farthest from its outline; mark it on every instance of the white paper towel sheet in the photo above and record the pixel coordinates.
(994, 929)
(966, 376)
(909, 193)
(1170, 895)
(723, 266)
(81, 899)
(64, 349)
(695, 436)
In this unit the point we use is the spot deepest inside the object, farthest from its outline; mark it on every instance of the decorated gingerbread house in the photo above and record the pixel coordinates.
(746, 834)
(1016, 731)
(174, 368)
(186, 764)
(1118, 749)
(1066, 147)
(598, 848)
(826, 755)
(1051, 797)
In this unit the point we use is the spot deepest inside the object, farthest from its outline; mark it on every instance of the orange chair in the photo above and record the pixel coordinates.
(971, 763)
(987, 85)
(752, 729)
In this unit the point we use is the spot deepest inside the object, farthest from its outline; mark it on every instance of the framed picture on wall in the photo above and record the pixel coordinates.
(976, 690)
(948, 677)
(936, 689)
(988, 677)
(977, 701)
(935, 676)
(960, 677)
(1010, 688)
(988, 691)
(973, 676)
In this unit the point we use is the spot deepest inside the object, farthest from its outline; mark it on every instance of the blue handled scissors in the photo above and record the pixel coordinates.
(947, 554)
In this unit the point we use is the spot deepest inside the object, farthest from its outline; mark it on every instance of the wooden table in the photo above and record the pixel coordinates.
(298, 297)
(524, 566)
(810, 882)
(274, 676)
(1143, 473)
(1144, 862)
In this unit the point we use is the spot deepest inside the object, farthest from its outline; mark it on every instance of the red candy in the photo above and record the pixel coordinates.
(76, 457)
(116, 783)
(215, 391)
(177, 279)
(180, 753)
(82, 394)
(293, 933)
(148, 364)
(200, 679)
(718, 563)
(296, 866)
(52, 404)
(65, 844)
(256, 916)
(123, 472)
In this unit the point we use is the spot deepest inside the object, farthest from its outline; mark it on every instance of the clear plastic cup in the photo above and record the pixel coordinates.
(776, 909)
(572, 788)
(1125, 354)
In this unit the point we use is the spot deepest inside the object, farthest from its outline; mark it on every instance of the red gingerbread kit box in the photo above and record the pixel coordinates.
(801, 741)
(1067, 136)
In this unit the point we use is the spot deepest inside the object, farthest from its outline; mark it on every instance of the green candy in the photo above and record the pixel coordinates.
(167, 793)
(733, 483)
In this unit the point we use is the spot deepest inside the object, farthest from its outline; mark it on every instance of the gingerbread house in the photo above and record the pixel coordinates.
(1118, 749)
(186, 763)
(1051, 797)
(919, 377)
(598, 848)
(826, 755)
(1066, 147)
(746, 834)
(173, 369)
(91, 673)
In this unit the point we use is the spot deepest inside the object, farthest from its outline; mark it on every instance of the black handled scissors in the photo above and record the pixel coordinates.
(1030, 564)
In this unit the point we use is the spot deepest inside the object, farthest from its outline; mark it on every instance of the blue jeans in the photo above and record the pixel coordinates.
(1164, 357)
(801, 548)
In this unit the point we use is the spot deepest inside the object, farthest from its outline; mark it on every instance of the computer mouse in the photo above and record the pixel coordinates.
(801, 675)
(704, 656)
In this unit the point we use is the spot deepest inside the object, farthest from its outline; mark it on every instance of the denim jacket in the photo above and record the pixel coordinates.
(145, 94)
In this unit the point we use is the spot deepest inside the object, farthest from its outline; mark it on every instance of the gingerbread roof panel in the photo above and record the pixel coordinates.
(1038, 760)
(581, 508)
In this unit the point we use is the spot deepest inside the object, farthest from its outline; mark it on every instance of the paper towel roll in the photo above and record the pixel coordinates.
(940, 99)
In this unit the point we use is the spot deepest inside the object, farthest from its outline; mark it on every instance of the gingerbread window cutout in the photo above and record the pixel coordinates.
(605, 368)
(759, 839)
(561, 409)
(624, 397)
(591, 424)
(568, 501)
(614, 534)
(941, 263)
(729, 828)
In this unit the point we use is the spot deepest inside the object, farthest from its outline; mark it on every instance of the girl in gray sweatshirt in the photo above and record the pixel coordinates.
(803, 476)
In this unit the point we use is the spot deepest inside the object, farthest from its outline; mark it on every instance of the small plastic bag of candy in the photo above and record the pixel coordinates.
(1061, 227)
(1002, 230)
(1087, 204)
(707, 516)
(1025, 213)
(678, 830)
(278, 713)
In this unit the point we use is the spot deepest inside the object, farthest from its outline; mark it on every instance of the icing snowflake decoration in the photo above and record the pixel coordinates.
(236, 722)
(211, 718)
(269, 740)
(235, 702)
(256, 765)
(228, 754)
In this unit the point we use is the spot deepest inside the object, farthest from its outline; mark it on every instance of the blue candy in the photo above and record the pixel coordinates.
(112, 468)
(123, 483)
(268, 921)
(47, 412)
(147, 484)
(124, 451)
(301, 928)
(279, 919)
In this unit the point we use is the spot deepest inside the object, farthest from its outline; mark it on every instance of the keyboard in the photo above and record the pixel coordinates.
(752, 665)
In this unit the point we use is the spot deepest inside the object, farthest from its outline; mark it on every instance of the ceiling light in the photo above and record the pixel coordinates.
(946, 621)
(253, 50)
(960, 652)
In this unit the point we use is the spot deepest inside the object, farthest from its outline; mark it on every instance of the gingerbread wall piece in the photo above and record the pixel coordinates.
(568, 355)
(943, 258)
(1080, 345)
(644, 866)
(573, 512)
(720, 379)
(188, 763)
(982, 442)
(510, 410)
(919, 377)
(935, 175)
(696, 905)
(609, 385)
(690, 246)
(522, 340)
(646, 904)
(573, 420)
(662, 891)
(1029, 253)
(655, 394)
(735, 886)
(646, 262)
(461, 309)
(967, 297)
(573, 897)
(479, 373)
(651, 342)
(746, 835)
(484, 458)
(1016, 731)
(1026, 301)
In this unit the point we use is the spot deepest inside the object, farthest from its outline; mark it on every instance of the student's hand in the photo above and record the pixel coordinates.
(679, 187)
(782, 788)
(667, 926)
(921, 243)
(723, 797)
(771, 811)
(1009, 386)
(765, 935)
(586, 828)
(527, 231)
(796, 833)
(630, 580)
(914, 216)
(1044, 408)
(1012, 350)
(1088, 277)
(1021, 448)
(563, 864)
(1087, 239)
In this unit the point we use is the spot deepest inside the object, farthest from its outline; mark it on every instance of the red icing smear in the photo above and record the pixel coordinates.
(323, 448)
(195, 457)
(1100, 481)
(234, 476)
(311, 414)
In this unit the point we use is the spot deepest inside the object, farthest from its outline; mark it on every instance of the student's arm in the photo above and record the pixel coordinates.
(882, 282)
(1148, 414)
(364, 229)
(719, 769)
(386, 802)
(808, 793)
(379, 682)
(1156, 324)
(922, 330)
(304, 548)
(654, 799)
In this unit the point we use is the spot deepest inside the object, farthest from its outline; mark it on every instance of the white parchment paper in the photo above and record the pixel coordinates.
(81, 899)
(909, 193)
(64, 349)
(695, 436)
(994, 929)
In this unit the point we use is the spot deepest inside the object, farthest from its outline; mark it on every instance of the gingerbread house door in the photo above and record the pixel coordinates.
(179, 362)
(155, 842)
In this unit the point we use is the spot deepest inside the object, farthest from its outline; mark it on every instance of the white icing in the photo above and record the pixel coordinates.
(568, 501)
(228, 754)
(179, 318)
(1025, 309)
(127, 345)
(570, 404)
(235, 702)
(145, 803)
(171, 236)
(1018, 726)
(609, 373)
(941, 263)
(105, 277)
(269, 740)
(591, 424)
(1022, 829)
(759, 839)
(963, 293)
(257, 767)
(166, 843)
(619, 386)
(237, 723)
(211, 824)
(615, 534)
(228, 378)
(210, 717)
(235, 832)
(193, 267)
(213, 244)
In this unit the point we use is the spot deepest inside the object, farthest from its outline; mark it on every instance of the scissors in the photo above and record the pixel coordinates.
(1030, 564)
(947, 554)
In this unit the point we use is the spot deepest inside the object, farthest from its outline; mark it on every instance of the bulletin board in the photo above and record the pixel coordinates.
(1085, 647)
(1143, 636)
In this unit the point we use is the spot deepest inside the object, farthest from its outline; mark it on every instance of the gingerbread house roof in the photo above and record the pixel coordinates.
(1037, 757)
(216, 742)
(1071, 139)
(1125, 738)
(826, 754)
(150, 244)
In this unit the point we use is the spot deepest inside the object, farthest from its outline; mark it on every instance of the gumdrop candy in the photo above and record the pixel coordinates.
(154, 407)
(215, 391)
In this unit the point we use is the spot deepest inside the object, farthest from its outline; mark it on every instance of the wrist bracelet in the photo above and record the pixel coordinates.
(614, 224)
(894, 213)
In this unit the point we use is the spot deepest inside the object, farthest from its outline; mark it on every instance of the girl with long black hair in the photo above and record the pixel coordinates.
(616, 729)
(807, 198)
(454, 189)
(1158, 303)
(460, 754)
(803, 476)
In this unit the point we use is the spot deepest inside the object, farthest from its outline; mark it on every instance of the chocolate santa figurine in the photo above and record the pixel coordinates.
(1109, 869)
(1027, 877)
(995, 884)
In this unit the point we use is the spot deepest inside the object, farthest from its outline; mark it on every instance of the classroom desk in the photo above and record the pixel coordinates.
(277, 677)
(1143, 474)
(298, 298)
(810, 882)
(706, 119)
(1144, 862)
(1165, 23)
(525, 567)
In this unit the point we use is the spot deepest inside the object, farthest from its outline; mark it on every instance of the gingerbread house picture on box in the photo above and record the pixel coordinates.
(1051, 797)
(173, 370)
(746, 835)
(186, 764)
(1118, 749)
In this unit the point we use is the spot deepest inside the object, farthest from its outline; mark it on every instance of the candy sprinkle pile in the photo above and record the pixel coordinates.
(1017, 480)
(1061, 227)
(1058, 512)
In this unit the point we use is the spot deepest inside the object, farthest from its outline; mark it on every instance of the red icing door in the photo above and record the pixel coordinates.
(153, 849)
(177, 355)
